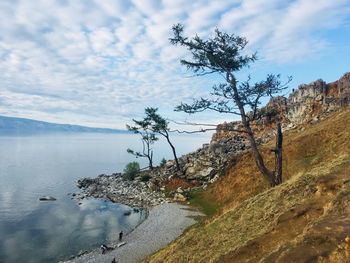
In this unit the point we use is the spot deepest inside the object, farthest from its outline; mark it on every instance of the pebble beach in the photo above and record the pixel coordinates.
(165, 223)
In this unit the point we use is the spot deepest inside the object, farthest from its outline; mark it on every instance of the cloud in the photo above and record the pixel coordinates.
(147, 7)
(101, 62)
(113, 7)
(102, 40)
(293, 36)
(285, 31)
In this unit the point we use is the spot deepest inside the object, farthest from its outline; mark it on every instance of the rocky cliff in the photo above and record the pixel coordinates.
(312, 101)
(306, 104)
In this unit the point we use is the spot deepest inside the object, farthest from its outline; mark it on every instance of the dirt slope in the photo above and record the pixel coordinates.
(306, 219)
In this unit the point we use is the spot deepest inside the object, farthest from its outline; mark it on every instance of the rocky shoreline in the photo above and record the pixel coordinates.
(136, 194)
(139, 195)
(118, 190)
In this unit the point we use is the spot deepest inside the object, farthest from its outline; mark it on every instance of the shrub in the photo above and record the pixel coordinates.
(162, 162)
(145, 178)
(131, 170)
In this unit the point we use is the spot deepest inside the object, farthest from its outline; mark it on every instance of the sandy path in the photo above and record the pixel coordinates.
(164, 223)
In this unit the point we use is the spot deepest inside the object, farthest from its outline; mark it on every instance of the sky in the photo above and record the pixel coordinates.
(101, 62)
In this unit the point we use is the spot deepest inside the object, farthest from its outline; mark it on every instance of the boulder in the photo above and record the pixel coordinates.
(206, 172)
(179, 190)
(85, 182)
(179, 197)
(47, 198)
(127, 213)
(197, 172)
(169, 164)
(214, 179)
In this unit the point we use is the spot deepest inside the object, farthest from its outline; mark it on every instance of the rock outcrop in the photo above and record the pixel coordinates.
(312, 101)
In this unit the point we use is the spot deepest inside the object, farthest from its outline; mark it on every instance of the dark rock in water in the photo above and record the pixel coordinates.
(47, 198)
(85, 182)
(127, 213)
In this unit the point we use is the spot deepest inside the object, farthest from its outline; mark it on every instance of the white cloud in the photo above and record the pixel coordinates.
(285, 30)
(101, 40)
(147, 7)
(102, 62)
(130, 28)
(113, 7)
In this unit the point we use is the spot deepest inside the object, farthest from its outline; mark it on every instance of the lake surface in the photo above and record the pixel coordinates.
(34, 166)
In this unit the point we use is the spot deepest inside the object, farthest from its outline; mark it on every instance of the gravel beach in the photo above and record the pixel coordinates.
(164, 224)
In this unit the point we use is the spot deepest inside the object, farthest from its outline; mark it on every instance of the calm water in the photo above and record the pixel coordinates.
(33, 166)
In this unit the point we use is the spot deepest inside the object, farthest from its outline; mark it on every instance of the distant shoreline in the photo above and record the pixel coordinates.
(14, 125)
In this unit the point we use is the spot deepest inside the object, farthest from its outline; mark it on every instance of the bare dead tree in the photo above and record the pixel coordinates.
(148, 138)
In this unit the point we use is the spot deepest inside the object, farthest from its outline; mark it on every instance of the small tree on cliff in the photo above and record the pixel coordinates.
(148, 138)
(161, 126)
(222, 55)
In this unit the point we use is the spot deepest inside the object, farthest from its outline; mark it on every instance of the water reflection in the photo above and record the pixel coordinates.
(59, 229)
(34, 166)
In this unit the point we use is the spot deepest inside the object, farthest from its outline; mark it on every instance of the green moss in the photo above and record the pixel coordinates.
(198, 199)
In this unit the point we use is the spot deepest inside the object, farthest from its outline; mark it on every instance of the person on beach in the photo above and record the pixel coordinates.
(104, 248)
(121, 236)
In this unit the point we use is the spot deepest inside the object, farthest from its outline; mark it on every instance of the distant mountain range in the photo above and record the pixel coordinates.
(13, 125)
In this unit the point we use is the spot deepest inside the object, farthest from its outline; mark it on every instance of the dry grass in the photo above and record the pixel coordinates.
(254, 217)
(174, 183)
(303, 151)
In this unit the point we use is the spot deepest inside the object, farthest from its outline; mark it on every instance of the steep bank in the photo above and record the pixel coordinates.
(306, 219)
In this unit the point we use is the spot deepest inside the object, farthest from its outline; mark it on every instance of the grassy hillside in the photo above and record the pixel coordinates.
(306, 219)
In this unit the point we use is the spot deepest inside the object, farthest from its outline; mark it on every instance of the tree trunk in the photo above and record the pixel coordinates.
(258, 158)
(278, 155)
(270, 176)
(149, 153)
(150, 156)
(150, 161)
(174, 153)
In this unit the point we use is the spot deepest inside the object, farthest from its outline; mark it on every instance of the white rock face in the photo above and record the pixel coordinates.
(316, 98)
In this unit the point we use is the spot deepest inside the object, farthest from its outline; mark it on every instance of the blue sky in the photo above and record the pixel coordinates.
(100, 63)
